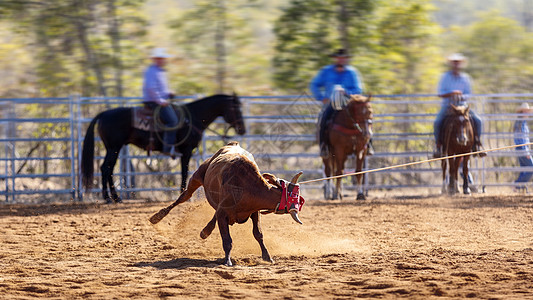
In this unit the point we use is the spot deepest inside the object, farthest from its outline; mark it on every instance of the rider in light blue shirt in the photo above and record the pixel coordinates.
(323, 86)
(156, 93)
(455, 85)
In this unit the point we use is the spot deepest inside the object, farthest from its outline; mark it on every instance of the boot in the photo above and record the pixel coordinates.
(170, 152)
(438, 151)
(169, 139)
(324, 151)
(479, 147)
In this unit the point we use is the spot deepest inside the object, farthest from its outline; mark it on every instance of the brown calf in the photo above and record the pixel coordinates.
(235, 188)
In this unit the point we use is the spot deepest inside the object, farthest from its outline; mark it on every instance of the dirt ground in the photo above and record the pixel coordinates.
(417, 247)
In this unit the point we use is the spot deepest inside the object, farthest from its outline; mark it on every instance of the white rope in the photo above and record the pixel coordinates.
(413, 163)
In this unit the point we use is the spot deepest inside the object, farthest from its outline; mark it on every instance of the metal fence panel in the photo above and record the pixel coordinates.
(42, 141)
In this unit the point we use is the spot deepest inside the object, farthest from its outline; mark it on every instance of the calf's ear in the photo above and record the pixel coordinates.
(270, 178)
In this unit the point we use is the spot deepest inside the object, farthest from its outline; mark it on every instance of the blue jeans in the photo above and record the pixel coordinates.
(169, 119)
(525, 162)
(478, 126)
(327, 112)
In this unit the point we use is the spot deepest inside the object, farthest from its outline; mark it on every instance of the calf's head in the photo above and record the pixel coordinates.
(291, 202)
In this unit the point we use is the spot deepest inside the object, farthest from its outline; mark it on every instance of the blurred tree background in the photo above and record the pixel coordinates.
(259, 47)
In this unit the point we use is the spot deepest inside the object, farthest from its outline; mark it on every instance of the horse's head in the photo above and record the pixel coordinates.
(360, 111)
(461, 123)
(233, 114)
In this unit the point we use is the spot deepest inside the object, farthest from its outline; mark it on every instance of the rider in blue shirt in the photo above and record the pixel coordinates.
(521, 136)
(455, 86)
(339, 74)
(156, 93)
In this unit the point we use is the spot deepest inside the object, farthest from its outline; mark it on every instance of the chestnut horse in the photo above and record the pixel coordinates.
(348, 133)
(457, 138)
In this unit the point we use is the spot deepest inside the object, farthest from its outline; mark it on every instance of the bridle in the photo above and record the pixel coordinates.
(362, 120)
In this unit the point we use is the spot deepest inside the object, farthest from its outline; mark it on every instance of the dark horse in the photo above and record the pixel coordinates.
(115, 129)
(348, 133)
(457, 138)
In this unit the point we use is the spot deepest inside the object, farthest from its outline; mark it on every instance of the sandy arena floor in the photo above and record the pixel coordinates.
(418, 247)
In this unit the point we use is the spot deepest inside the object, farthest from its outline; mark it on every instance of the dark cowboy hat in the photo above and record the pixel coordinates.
(340, 53)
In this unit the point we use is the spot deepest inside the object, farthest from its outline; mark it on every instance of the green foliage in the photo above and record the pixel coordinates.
(499, 50)
(73, 42)
(202, 30)
(307, 32)
(393, 43)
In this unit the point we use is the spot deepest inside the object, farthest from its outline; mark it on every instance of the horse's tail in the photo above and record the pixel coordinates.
(87, 157)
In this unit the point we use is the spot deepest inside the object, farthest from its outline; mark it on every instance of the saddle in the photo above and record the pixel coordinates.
(143, 118)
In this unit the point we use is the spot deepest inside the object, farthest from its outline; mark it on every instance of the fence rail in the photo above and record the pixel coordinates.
(281, 135)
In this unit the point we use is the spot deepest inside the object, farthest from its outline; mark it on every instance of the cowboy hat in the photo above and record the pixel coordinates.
(524, 108)
(340, 53)
(159, 53)
(456, 57)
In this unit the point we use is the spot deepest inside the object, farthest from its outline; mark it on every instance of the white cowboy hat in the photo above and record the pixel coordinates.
(456, 57)
(524, 108)
(159, 52)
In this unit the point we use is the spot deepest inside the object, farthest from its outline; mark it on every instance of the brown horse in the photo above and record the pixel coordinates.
(348, 133)
(457, 138)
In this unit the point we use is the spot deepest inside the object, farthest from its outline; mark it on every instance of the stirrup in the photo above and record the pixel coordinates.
(479, 147)
(437, 153)
(370, 150)
(171, 153)
(324, 151)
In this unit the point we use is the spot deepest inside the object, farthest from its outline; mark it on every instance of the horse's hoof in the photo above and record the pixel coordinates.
(467, 191)
(118, 200)
(108, 200)
(361, 196)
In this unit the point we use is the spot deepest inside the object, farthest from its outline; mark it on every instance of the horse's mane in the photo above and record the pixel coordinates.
(462, 109)
(358, 98)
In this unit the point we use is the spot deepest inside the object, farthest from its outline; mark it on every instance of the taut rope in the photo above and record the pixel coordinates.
(413, 163)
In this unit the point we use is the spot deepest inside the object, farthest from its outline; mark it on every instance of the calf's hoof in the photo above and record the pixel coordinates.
(228, 262)
(267, 258)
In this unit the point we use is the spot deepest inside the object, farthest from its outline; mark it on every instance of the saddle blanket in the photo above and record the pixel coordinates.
(143, 118)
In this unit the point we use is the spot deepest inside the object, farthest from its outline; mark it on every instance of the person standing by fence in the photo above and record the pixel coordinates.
(521, 136)
(156, 93)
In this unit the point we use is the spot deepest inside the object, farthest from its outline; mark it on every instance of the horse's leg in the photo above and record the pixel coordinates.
(258, 235)
(107, 175)
(327, 172)
(359, 168)
(185, 159)
(444, 167)
(466, 189)
(338, 167)
(452, 187)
